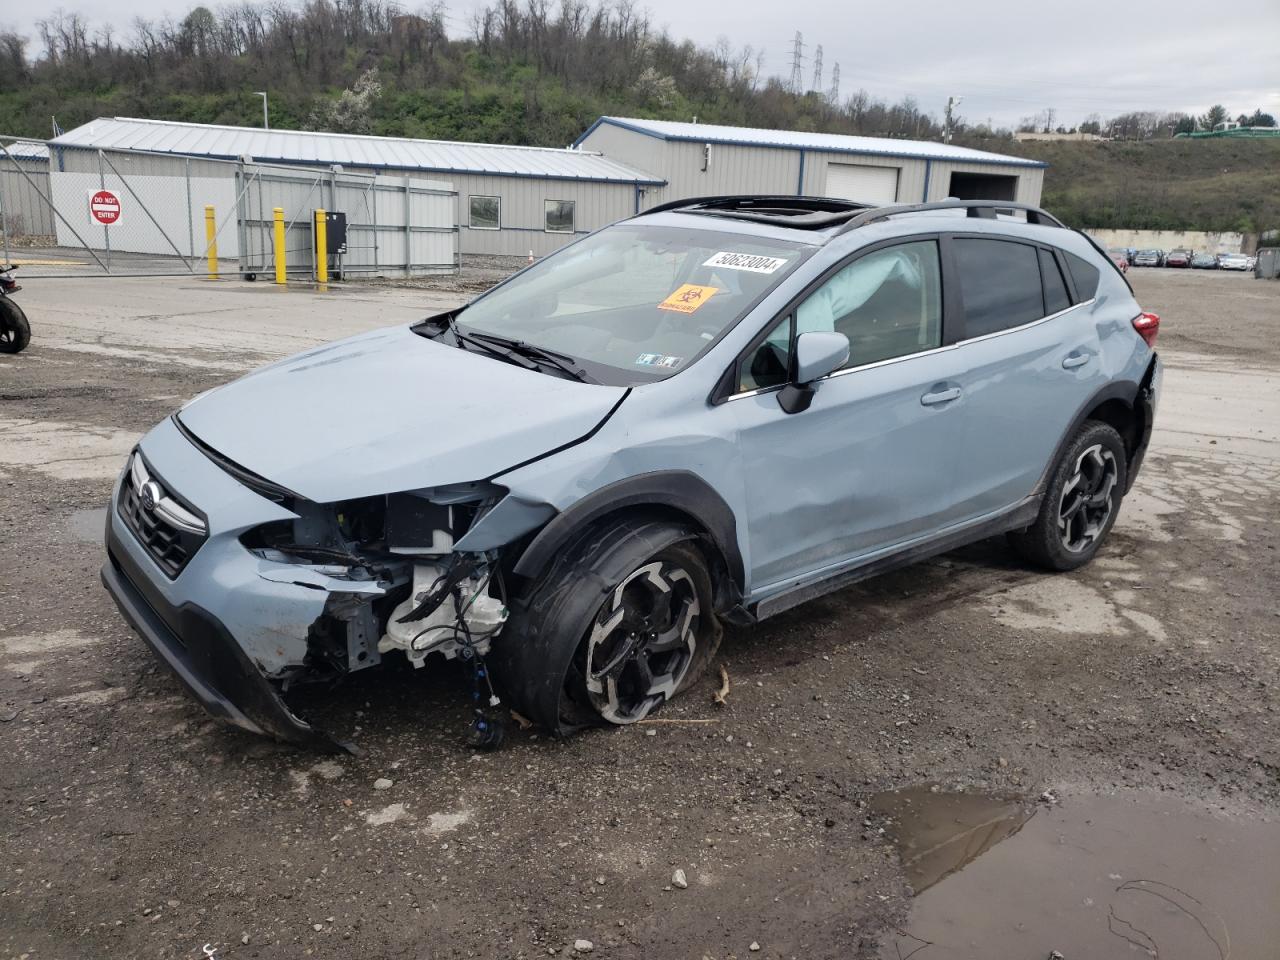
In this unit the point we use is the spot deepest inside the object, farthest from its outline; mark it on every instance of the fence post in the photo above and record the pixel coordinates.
(106, 231)
(211, 238)
(322, 247)
(4, 223)
(277, 216)
(191, 214)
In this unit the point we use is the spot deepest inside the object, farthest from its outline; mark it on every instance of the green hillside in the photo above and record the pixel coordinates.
(528, 72)
(1162, 184)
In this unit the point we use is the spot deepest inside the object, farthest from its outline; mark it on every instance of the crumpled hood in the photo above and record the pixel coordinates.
(388, 411)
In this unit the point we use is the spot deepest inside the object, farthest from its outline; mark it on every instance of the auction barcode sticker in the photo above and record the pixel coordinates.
(745, 261)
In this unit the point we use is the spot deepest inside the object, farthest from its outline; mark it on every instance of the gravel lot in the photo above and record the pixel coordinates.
(130, 825)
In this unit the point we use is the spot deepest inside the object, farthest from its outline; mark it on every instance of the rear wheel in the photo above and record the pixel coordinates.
(15, 332)
(1081, 503)
(620, 624)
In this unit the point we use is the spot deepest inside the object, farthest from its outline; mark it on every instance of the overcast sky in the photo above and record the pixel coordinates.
(1007, 58)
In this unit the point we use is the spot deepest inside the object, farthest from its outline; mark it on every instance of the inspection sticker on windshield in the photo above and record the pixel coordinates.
(688, 298)
(745, 261)
(658, 360)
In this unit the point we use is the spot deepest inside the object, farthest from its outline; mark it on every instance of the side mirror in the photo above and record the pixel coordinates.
(817, 354)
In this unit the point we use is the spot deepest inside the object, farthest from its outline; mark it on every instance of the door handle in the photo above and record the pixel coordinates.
(1075, 360)
(942, 396)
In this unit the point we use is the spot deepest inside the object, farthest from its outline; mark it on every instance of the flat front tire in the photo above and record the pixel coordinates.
(621, 623)
(1081, 502)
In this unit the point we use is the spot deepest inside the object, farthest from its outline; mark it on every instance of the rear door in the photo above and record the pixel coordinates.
(1031, 356)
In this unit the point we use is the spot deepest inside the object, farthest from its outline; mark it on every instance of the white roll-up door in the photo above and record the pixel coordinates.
(856, 181)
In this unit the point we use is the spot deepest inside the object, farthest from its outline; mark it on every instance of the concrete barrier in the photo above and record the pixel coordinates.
(1196, 240)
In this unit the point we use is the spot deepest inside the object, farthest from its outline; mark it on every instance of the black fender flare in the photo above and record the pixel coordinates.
(1126, 391)
(679, 490)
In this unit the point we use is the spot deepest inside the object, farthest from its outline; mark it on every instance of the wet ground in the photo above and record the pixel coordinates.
(1087, 875)
(1138, 696)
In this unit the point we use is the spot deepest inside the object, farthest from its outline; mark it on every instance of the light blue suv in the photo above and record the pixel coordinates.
(707, 413)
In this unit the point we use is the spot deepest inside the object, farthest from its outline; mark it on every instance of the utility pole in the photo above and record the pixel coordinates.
(817, 69)
(263, 95)
(834, 95)
(797, 58)
(952, 103)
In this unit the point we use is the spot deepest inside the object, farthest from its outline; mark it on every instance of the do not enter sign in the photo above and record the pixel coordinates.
(104, 208)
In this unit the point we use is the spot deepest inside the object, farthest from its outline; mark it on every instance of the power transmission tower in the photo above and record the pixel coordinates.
(817, 69)
(797, 58)
(834, 94)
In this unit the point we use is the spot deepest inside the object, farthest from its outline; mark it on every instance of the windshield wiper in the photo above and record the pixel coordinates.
(561, 361)
(511, 356)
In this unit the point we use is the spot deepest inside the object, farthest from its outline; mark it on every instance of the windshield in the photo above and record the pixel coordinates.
(635, 303)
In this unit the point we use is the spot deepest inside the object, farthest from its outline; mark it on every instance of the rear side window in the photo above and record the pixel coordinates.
(1084, 275)
(1000, 284)
(1055, 289)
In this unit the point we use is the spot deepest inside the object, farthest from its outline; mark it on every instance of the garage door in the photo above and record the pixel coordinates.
(855, 181)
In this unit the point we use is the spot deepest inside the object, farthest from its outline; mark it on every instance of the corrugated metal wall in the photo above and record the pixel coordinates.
(522, 199)
(729, 169)
(522, 211)
(24, 197)
(1030, 179)
(748, 169)
(910, 172)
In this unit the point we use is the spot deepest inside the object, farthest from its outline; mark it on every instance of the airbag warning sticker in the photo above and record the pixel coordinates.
(745, 261)
(688, 298)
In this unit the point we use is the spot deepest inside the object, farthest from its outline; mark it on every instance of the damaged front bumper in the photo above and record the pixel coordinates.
(197, 647)
(235, 628)
(246, 594)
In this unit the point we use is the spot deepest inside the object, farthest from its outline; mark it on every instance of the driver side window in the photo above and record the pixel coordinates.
(888, 303)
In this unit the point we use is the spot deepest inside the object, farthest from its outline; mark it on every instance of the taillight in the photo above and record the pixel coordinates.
(1147, 325)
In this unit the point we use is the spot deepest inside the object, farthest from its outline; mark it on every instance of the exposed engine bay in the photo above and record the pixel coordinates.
(412, 590)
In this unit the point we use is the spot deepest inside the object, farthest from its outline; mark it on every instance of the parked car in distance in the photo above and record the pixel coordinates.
(1178, 258)
(707, 413)
(1204, 261)
(1147, 258)
(1120, 258)
(1234, 261)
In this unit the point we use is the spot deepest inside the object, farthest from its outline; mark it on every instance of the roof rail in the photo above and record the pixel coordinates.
(982, 209)
(806, 213)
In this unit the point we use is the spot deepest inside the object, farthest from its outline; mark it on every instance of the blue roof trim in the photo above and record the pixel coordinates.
(613, 121)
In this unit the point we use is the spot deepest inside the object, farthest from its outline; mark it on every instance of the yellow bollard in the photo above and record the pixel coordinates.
(211, 241)
(278, 215)
(322, 248)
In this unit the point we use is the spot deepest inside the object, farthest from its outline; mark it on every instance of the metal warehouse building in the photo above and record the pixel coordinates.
(24, 191)
(511, 200)
(697, 159)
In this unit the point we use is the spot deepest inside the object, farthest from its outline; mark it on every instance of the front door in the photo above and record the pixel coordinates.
(872, 462)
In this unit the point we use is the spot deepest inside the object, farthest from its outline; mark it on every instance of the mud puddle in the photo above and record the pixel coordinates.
(1095, 877)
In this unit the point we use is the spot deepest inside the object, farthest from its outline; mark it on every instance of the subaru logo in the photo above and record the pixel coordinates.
(150, 494)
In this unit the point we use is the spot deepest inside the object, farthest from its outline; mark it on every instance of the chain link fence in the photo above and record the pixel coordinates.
(75, 211)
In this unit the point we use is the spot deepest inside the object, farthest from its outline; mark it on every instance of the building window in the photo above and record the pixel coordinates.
(486, 213)
(558, 215)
